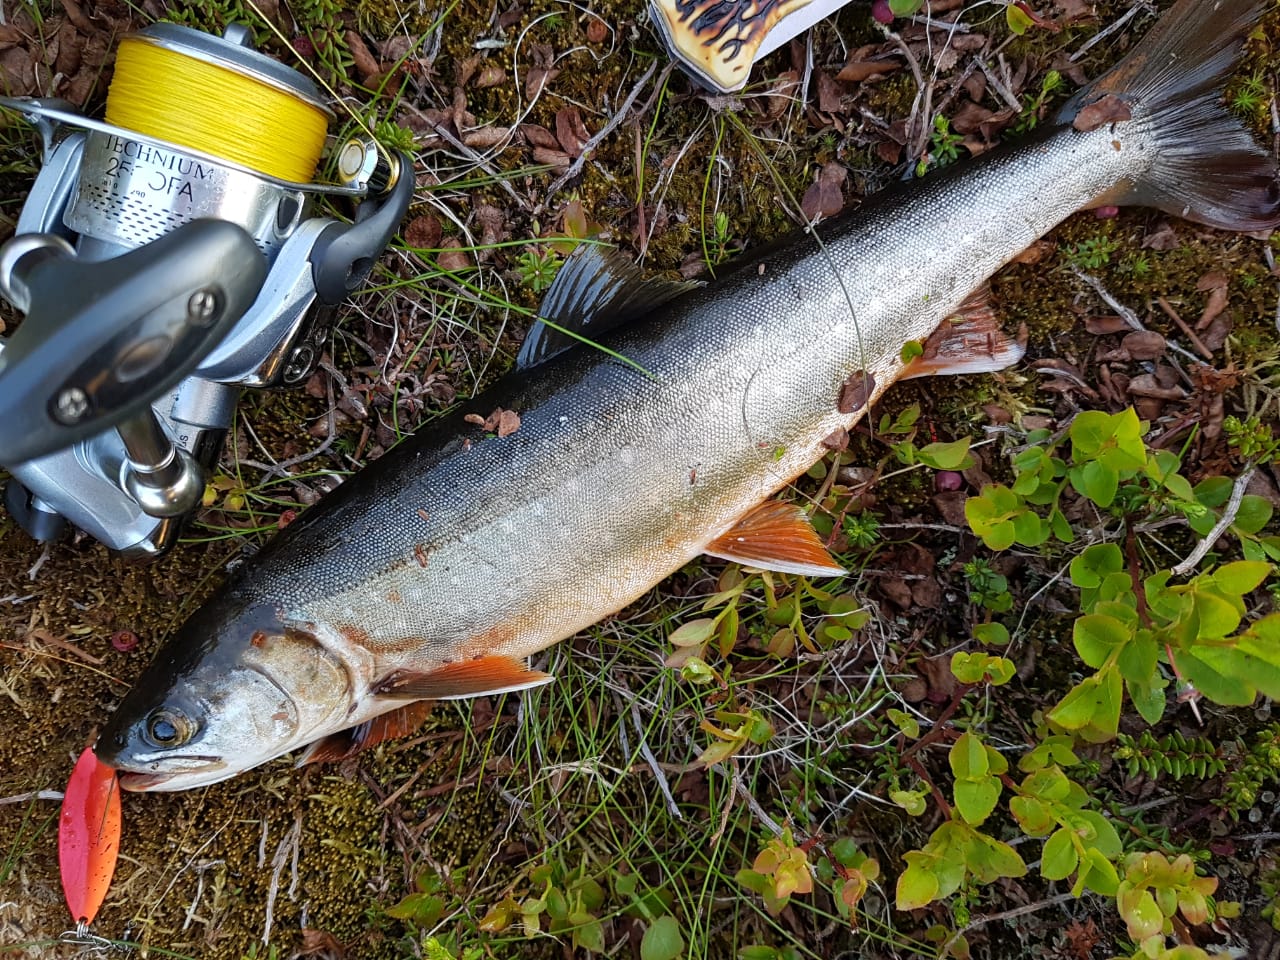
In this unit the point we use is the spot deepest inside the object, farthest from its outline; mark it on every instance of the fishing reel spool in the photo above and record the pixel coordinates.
(166, 258)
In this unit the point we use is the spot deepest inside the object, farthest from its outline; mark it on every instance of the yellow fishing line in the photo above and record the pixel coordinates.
(174, 97)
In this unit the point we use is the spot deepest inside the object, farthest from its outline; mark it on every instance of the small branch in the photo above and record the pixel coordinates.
(1182, 325)
(1127, 315)
(923, 774)
(575, 168)
(1221, 527)
(1011, 914)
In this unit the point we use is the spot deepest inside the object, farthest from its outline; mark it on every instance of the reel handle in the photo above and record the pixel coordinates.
(103, 340)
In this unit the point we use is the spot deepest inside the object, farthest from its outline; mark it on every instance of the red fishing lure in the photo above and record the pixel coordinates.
(89, 836)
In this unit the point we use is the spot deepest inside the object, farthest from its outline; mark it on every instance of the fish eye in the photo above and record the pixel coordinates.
(169, 728)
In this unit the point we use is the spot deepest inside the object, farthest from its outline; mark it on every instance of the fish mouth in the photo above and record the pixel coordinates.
(195, 772)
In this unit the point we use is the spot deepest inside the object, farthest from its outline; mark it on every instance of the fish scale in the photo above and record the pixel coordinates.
(433, 570)
(609, 461)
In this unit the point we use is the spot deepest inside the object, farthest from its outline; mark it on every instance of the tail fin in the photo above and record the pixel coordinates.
(1206, 166)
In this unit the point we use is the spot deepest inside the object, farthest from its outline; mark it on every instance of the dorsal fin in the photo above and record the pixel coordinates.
(398, 722)
(776, 536)
(968, 341)
(596, 290)
(466, 678)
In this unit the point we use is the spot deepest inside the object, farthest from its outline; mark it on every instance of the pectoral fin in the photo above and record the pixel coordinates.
(969, 341)
(776, 536)
(391, 725)
(466, 678)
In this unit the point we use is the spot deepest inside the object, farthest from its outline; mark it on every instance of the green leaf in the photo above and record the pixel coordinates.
(917, 886)
(1218, 617)
(1254, 514)
(1092, 707)
(968, 757)
(904, 722)
(1032, 815)
(420, 909)
(1098, 873)
(1139, 910)
(1096, 637)
(1028, 529)
(1212, 671)
(1241, 577)
(946, 456)
(995, 634)
(1089, 431)
(1137, 660)
(1096, 481)
(1148, 698)
(662, 941)
(1094, 563)
(1100, 833)
(1017, 19)
(910, 350)
(693, 634)
(975, 799)
(989, 859)
(911, 801)
(1059, 859)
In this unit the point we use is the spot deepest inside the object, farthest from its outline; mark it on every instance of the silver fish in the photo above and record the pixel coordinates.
(435, 571)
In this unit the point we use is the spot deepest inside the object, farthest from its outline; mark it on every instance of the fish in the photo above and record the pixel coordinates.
(587, 476)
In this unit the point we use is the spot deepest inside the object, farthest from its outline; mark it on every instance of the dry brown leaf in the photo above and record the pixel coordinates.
(1107, 109)
(830, 93)
(538, 136)
(825, 197)
(491, 76)
(365, 62)
(1104, 326)
(1143, 345)
(570, 131)
(451, 258)
(423, 231)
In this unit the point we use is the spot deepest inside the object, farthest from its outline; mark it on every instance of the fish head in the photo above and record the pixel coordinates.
(226, 693)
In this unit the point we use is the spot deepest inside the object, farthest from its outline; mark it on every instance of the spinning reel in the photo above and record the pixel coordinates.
(167, 258)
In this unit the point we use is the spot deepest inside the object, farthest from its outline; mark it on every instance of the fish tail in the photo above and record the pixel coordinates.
(1205, 165)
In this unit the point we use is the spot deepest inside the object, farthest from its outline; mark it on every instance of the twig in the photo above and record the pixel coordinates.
(1005, 93)
(619, 115)
(1221, 527)
(291, 841)
(1196, 342)
(1127, 315)
(653, 764)
(444, 133)
(1010, 914)
(1105, 32)
(32, 795)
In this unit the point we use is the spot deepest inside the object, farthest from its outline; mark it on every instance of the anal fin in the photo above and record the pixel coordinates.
(398, 722)
(968, 341)
(776, 536)
(466, 678)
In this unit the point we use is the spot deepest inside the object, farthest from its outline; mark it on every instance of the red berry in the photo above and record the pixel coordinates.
(124, 640)
(881, 12)
(945, 480)
(1106, 213)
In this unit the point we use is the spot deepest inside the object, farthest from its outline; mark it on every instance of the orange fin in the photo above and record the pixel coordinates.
(776, 536)
(969, 341)
(395, 723)
(466, 678)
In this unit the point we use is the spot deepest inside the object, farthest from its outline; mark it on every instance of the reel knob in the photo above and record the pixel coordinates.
(103, 340)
